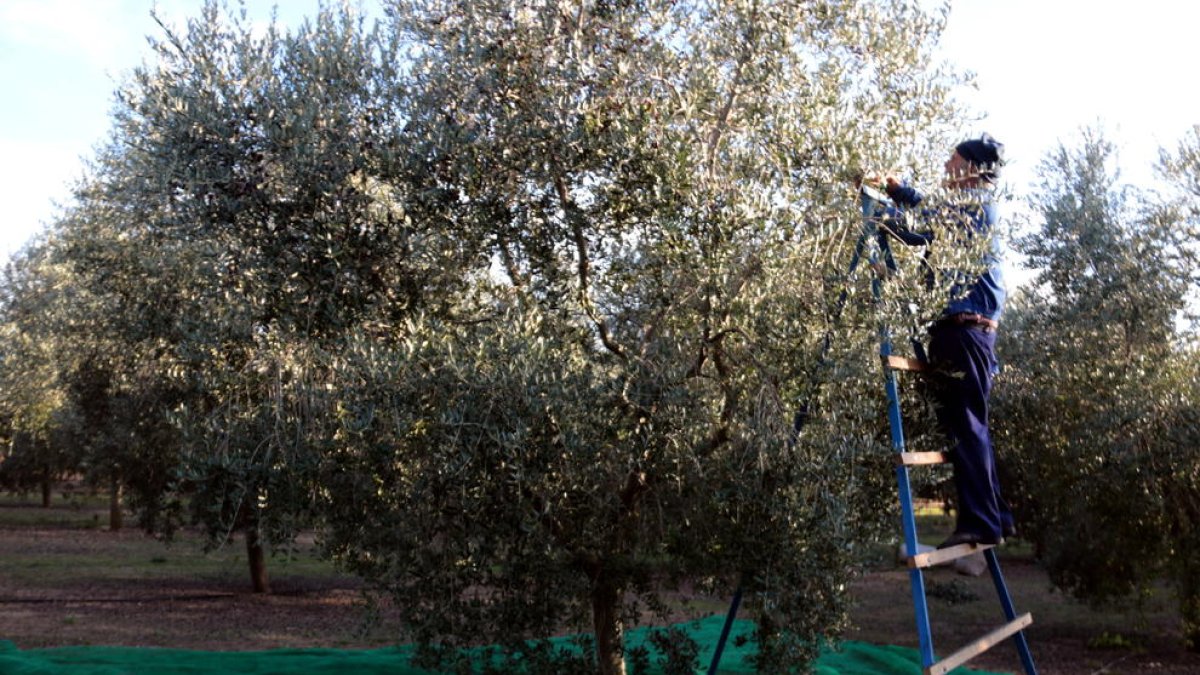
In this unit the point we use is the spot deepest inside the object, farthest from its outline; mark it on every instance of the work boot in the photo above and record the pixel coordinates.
(971, 539)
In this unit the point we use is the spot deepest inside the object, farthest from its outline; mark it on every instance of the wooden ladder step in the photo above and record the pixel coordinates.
(941, 555)
(905, 363)
(980, 646)
(919, 458)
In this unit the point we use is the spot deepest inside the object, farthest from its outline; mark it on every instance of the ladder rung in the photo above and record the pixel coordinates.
(905, 363)
(941, 555)
(979, 646)
(918, 458)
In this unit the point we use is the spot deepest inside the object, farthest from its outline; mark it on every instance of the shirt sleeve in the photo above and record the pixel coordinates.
(893, 218)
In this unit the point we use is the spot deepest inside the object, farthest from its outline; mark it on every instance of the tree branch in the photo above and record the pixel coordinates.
(510, 263)
(583, 267)
(714, 138)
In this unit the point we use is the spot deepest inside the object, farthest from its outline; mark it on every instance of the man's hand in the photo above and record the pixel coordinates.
(881, 179)
(879, 184)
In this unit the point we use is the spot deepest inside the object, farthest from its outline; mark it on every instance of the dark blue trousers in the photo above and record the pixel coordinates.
(964, 360)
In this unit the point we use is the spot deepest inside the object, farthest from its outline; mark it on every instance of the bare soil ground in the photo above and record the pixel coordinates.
(60, 586)
(64, 580)
(1066, 637)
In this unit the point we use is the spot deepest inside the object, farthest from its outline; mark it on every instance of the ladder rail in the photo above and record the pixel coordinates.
(896, 426)
(1010, 612)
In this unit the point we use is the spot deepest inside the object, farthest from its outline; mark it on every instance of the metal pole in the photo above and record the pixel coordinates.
(729, 617)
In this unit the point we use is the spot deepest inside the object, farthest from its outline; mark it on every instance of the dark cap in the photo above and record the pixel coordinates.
(984, 153)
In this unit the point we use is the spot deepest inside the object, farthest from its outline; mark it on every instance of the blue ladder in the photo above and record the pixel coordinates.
(872, 204)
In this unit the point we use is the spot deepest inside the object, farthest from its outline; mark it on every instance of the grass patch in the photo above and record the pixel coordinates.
(60, 499)
(80, 513)
(131, 558)
(59, 545)
(1115, 641)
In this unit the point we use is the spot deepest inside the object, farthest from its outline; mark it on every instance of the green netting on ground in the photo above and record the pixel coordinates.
(850, 658)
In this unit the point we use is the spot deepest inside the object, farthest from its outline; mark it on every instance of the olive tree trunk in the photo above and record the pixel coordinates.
(610, 633)
(116, 516)
(1189, 601)
(258, 563)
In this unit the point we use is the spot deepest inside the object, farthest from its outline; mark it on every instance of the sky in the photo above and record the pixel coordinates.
(1044, 69)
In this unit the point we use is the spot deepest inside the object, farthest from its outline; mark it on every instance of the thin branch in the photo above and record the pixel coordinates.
(171, 36)
(714, 138)
(510, 263)
(583, 267)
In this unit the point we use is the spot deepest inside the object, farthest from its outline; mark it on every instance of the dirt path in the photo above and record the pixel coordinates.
(63, 587)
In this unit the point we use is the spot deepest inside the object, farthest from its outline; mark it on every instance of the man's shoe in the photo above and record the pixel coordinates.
(971, 539)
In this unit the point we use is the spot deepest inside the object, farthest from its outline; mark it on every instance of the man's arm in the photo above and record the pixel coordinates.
(905, 198)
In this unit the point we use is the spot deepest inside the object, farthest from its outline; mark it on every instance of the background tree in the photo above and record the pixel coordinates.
(78, 393)
(1178, 469)
(242, 216)
(1091, 405)
(35, 406)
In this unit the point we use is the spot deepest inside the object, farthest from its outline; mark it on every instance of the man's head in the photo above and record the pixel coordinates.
(975, 161)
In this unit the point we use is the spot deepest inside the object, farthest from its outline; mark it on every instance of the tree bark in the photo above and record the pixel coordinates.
(257, 559)
(116, 516)
(1189, 604)
(46, 488)
(610, 633)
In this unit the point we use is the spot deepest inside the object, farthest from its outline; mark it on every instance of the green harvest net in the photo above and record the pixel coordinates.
(851, 658)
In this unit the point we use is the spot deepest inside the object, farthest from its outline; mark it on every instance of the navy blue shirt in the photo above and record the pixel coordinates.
(970, 292)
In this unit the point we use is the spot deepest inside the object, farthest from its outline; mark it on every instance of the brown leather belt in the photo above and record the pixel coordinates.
(973, 320)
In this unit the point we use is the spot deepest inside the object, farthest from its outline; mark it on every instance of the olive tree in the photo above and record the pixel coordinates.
(56, 376)
(1178, 468)
(664, 193)
(517, 301)
(1098, 387)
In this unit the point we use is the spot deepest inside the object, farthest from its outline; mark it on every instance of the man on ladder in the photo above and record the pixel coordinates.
(962, 340)
(961, 361)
